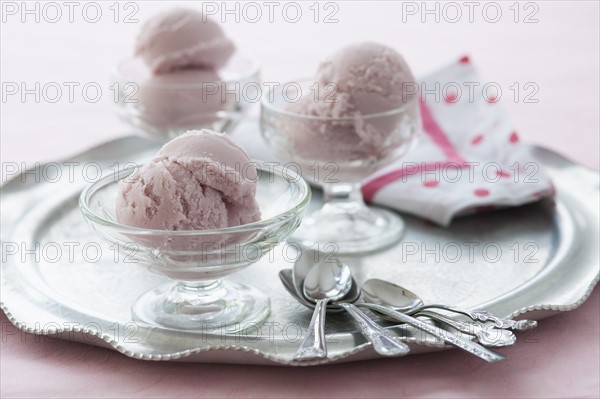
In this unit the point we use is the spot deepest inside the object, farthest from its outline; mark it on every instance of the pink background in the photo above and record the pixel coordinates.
(560, 54)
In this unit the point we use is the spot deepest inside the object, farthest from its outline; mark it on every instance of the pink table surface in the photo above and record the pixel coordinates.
(560, 53)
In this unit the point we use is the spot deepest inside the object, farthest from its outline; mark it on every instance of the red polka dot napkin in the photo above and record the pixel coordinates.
(469, 158)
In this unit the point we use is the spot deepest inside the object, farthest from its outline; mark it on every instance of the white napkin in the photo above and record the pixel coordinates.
(469, 158)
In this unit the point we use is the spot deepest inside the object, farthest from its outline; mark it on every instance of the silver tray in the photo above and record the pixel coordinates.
(547, 263)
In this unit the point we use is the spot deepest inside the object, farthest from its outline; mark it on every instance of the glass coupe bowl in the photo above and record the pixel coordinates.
(331, 154)
(163, 106)
(196, 260)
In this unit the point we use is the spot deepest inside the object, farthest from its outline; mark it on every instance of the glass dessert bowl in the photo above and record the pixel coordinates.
(337, 153)
(195, 261)
(163, 106)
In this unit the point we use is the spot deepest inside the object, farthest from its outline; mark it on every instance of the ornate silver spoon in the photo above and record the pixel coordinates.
(324, 286)
(317, 286)
(399, 298)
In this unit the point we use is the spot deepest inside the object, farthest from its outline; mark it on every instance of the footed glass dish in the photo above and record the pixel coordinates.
(331, 154)
(195, 297)
(164, 106)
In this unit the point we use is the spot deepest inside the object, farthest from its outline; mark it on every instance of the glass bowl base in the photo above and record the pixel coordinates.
(218, 307)
(349, 231)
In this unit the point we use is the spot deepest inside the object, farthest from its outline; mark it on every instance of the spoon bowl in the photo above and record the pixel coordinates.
(384, 293)
(327, 281)
(286, 277)
(306, 260)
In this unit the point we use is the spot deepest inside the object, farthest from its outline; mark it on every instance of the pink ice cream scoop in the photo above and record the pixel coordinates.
(369, 78)
(183, 38)
(364, 112)
(198, 181)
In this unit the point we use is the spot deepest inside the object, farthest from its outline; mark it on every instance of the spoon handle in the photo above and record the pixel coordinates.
(382, 342)
(469, 346)
(313, 347)
(484, 316)
(488, 334)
